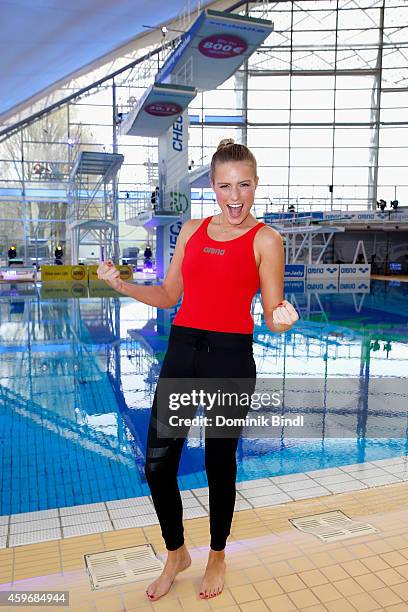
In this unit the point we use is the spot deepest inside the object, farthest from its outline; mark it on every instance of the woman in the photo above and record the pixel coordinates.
(218, 265)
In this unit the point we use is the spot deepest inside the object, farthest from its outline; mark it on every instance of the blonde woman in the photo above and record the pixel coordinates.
(218, 265)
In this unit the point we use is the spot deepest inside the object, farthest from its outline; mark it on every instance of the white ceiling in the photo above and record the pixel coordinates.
(44, 41)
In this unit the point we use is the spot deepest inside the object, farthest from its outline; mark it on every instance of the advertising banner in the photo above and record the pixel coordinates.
(64, 273)
(353, 271)
(98, 288)
(56, 290)
(322, 286)
(360, 285)
(295, 271)
(20, 274)
(294, 286)
(126, 273)
(274, 216)
(358, 217)
(78, 273)
(316, 271)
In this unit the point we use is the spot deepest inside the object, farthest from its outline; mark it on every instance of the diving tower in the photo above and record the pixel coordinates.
(209, 53)
(92, 203)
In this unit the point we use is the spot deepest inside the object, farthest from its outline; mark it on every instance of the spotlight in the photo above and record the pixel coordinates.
(59, 253)
(394, 204)
(12, 252)
(382, 204)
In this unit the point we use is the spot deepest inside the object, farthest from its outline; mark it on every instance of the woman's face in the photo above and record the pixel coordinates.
(234, 184)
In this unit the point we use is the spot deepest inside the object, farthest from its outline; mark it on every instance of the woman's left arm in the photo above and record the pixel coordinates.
(279, 314)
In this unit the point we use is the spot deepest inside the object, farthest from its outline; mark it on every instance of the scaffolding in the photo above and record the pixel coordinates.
(93, 203)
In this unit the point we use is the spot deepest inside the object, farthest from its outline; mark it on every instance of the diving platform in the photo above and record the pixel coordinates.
(151, 219)
(104, 165)
(213, 49)
(141, 213)
(157, 110)
(199, 178)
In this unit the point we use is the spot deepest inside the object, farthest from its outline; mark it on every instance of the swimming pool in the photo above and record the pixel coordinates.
(78, 377)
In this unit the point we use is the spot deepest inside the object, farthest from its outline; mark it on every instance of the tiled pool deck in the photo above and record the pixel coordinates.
(270, 564)
(35, 527)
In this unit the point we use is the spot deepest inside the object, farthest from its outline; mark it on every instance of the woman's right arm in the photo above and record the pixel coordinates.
(169, 292)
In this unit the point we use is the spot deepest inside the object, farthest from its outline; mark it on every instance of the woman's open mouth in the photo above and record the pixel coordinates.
(235, 210)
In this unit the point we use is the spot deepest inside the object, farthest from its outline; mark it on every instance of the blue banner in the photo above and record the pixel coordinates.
(295, 271)
(294, 286)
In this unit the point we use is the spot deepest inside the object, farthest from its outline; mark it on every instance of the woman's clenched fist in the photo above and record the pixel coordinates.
(284, 314)
(110, 274)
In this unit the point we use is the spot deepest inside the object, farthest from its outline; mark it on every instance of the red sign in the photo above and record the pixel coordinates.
(163, 109)
(220, 46)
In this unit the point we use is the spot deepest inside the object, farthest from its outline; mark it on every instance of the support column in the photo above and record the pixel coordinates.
(175, 193)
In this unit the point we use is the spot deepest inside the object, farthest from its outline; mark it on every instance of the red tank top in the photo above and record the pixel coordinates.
(220, 280)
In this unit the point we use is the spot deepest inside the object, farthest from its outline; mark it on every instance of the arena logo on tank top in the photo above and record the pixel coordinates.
(212, 251)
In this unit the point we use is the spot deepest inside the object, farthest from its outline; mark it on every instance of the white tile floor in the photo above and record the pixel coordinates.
(33, 527)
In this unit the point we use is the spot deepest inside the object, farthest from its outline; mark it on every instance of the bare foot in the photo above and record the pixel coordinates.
(213, 581)
(177, 561)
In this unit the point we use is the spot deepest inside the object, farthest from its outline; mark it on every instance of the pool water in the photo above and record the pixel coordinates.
(77, 378)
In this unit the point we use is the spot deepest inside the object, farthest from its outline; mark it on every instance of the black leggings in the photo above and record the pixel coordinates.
(196, 353)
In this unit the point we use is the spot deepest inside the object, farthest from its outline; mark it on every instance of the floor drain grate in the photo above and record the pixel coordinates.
(332, 526)
(123, 565)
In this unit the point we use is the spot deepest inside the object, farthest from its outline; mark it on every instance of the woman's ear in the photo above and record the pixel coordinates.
(256, 181)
